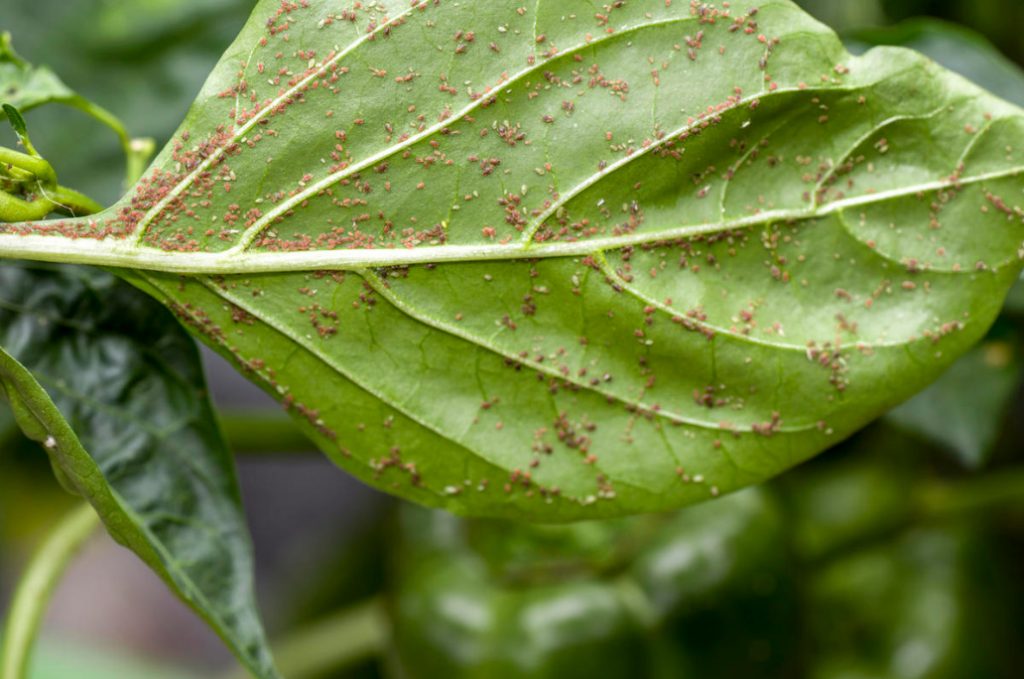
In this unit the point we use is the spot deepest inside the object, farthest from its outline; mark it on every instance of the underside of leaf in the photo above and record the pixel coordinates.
(557, 261)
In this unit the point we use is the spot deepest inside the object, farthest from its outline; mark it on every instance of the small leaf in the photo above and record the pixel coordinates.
(24, 86)
(539, 262)
(18, 123)
(113, 374)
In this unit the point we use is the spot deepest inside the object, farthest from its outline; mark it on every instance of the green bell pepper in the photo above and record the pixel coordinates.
(495, 600)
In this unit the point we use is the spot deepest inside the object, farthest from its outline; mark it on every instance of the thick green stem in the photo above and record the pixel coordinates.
(35, 166)
(52, 198)
(71, 201)
(36, 587)
(56, 198)
(333, 644)
(14, 209)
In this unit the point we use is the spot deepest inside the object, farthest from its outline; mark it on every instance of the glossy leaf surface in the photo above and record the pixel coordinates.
(965, 409)
(116, 397)
(555, 263)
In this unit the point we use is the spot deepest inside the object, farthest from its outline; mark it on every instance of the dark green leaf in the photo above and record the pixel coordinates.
(114, 375)
(531, 261)
(844, 15)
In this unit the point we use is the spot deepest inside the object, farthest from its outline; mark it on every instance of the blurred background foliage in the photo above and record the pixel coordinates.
(897, 567)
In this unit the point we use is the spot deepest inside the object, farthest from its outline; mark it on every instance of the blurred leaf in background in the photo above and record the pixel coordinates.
(843, 14)
(999, 20)
(965, 410)
(144, 59)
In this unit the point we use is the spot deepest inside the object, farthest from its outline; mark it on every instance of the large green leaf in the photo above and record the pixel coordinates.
(116, 397)
(558, 262)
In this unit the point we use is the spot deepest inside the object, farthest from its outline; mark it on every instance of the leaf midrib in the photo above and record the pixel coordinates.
(117, 253)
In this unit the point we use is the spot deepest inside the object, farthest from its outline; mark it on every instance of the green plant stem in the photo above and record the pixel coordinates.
(261, 432)
(56, 198)
(15, 209)
(35, 166)
(36, 587)
(940, 500)
(107, 118)
(332, 644)
(73, 202)
(140, 152)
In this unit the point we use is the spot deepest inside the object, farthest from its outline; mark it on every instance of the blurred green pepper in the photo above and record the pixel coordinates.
(486, 599)
(912, 608)
(890, 592)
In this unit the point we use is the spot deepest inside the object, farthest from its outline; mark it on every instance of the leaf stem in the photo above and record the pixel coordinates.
(332, 644)
(24, 241)
(134, 156)
(36, 587)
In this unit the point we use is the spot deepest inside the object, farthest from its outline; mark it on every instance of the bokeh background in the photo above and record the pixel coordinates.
(316, 530)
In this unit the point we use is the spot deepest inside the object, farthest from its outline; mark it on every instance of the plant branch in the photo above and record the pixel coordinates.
(333, 644)
(36, 587)
(936, 502)
(942, 499)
